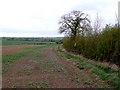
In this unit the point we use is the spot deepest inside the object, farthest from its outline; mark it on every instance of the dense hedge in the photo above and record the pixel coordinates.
(98, 46)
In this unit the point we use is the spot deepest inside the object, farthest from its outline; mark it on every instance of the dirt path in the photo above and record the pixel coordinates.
(45, 69)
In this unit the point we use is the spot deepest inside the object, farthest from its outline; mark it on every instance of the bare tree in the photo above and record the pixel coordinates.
(74, 23)
(97, 24)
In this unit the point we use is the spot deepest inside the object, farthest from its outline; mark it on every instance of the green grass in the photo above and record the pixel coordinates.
(7, 60)
(38, 85)
(47, 65)
(20, 42)
(10, 58)
(106, 73)
(0, 41)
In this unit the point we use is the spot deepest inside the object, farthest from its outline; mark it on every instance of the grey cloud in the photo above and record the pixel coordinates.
(92, 6)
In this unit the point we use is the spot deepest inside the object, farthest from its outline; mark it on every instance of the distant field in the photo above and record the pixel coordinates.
(0, 41)
(20, 42)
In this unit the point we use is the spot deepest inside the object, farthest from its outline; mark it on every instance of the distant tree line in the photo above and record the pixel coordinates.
(91, 42)
(41, 39)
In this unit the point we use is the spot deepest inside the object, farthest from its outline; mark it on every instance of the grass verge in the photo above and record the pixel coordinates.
(106, 73)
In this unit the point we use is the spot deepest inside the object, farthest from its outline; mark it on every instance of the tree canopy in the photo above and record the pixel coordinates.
(74, 23)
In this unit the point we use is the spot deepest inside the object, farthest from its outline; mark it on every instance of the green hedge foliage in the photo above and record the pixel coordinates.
(101, 46)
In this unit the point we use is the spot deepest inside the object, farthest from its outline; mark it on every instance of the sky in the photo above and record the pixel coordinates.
(39, 18)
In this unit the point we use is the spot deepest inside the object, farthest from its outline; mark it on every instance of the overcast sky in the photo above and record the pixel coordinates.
(39, 18)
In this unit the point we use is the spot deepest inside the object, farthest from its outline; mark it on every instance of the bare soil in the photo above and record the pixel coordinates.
(46, 69)
(12, 49)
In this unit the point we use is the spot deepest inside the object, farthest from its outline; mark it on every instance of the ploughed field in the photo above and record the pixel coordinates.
(50, 66)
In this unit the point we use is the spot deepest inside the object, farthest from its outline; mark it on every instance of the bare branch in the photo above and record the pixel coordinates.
(74, 23)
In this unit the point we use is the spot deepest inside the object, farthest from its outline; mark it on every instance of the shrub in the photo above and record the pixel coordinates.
(100, 46)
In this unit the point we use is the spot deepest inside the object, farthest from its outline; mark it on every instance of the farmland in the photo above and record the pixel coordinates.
(22, 42)
(35, 64)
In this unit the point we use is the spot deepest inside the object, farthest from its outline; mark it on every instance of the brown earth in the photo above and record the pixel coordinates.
(46, 69)
(12, 49)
